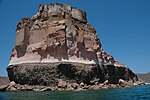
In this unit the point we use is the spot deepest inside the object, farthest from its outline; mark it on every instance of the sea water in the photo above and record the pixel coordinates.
(133, 93)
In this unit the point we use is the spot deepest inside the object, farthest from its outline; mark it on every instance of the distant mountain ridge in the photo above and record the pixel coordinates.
(144, 77)
(4, 80)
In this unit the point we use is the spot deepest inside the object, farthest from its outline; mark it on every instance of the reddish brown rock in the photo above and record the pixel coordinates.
(12, 83)
(58, 33)
(62, 84)
(58, 43)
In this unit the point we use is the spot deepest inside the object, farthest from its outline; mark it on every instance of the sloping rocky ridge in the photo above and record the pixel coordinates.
(58, 43)
(144, 77)
(4, 80)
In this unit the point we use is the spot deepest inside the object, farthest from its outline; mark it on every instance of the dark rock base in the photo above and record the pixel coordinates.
(49, 74)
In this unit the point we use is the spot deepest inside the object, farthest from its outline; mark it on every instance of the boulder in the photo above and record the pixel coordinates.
(62, 84)
(47, 89)
(122, 83)
(75, 85)
(3, 88)
(11, 88)
(69, 87)
(12, 83)
(106, 82)
(82, 84)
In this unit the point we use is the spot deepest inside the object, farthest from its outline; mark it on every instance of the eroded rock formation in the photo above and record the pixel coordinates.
(58, 43)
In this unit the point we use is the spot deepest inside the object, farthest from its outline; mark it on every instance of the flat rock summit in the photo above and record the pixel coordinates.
(58, 45)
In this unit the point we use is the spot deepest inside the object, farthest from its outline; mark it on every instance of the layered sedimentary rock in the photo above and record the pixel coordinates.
(58, 43)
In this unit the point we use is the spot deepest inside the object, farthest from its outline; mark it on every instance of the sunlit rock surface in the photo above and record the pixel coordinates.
(58, 40)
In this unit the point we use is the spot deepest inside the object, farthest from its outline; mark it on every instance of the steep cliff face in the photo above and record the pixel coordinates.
(56, 41)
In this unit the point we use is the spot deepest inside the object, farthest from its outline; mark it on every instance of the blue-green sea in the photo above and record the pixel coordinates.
(132, 93)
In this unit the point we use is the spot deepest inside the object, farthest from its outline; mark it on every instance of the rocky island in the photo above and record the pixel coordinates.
(57, 49)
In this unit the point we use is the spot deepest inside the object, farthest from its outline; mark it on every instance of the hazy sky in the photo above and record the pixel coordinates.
(122, 25)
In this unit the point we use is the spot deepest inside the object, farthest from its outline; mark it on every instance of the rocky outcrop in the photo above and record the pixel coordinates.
(58, 33)
(63, 85)
(58, 43)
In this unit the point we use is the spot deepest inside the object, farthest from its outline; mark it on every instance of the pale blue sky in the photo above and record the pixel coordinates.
(122, 25)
